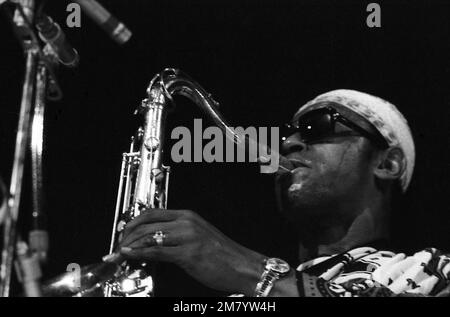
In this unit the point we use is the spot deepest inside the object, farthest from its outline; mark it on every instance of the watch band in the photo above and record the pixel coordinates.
(274, 269)
(268, 278)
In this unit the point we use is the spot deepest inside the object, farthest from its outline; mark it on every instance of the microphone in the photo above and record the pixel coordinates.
(51, 33)
(115, 29)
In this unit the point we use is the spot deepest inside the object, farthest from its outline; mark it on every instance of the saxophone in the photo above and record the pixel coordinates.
(143, 185)
(144, 180)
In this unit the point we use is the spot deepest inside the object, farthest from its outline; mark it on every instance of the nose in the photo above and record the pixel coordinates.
(292, 143)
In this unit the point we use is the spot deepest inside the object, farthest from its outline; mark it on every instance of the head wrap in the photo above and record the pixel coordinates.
(383, 115)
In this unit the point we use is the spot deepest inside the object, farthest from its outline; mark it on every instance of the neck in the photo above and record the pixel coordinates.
(367, 222)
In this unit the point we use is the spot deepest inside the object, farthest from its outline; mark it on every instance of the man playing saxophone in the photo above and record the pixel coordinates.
(350, 154)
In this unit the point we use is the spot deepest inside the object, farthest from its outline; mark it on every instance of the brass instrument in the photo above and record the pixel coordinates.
(143, 185)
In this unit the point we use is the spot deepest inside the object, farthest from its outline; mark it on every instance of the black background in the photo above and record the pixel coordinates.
(261, 60)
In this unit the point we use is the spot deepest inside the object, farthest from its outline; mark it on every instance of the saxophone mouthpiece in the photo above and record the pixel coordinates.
(284, 165)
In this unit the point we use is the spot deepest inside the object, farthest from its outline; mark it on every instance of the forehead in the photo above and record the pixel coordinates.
(344, 111)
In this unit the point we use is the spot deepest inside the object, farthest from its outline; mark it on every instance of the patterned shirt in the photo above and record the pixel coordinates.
(367, 272)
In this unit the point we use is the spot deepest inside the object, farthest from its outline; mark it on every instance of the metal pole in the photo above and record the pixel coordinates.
(38, 236)
(12, 213)
(40, 83)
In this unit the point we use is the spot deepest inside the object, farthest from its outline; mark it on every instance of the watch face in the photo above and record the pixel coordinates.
(278, 265)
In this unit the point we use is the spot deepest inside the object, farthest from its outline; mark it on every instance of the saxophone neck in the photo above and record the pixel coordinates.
(175, 82)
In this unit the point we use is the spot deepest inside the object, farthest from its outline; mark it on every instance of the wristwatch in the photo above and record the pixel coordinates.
(274, 269)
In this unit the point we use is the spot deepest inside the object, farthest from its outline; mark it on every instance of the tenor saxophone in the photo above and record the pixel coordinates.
(144, 181)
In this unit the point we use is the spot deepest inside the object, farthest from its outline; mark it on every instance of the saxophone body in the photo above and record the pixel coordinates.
(144, 180)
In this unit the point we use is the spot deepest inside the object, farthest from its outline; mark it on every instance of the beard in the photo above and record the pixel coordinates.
(302, 200)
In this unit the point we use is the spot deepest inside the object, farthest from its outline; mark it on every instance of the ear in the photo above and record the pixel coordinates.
(390, 164)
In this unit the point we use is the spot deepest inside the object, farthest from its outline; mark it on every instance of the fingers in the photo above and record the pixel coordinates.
(116, 258)
(152, 216)
(145, 231)
(179, 227)
(165, 254)
(171, 238)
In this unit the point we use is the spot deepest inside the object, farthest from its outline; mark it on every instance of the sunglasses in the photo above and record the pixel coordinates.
(320, 124)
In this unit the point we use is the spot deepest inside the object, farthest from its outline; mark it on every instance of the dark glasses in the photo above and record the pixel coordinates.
(320, 124)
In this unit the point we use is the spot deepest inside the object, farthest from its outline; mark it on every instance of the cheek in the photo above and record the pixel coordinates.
(336, 168)
(336, 164)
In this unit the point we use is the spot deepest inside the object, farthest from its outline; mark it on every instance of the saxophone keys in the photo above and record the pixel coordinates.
(151, 144)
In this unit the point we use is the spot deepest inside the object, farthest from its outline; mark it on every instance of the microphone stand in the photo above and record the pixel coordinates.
(39, 84)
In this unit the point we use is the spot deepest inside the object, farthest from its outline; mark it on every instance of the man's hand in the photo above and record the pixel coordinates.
(196, 246)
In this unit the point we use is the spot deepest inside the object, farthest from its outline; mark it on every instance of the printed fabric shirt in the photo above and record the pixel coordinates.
(367, 272)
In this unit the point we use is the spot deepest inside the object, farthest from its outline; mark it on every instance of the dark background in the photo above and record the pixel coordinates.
(261, 60)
